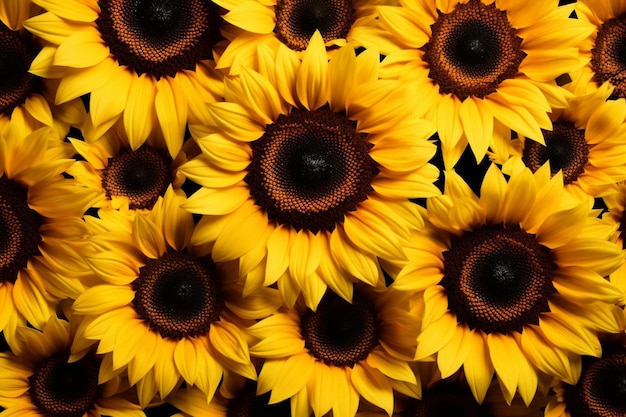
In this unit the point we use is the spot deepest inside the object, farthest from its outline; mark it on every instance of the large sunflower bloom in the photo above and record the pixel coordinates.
(25, 97)
(602, 49)
(474, 63)
(40, 381)
(329, 358)
(40, 212)
(314, 163)
(513, 282)
(291, 23)
(161, 309)
(587, 143)
(147, 63)
(600, 390)
(127, 178)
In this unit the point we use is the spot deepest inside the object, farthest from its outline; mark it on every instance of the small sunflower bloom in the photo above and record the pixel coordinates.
(160, 308)
(361, 347)
(473, 64)
(599, 391)
(147, 64)
(43, 381)
(24, 97)
(127, 178)
(586, 143)
(291, 23)
(602, 49)
(313, 162)
(515, 276)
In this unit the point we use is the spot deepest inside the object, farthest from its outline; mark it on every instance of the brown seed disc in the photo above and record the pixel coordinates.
(608, 56)
(498, 279)
(62, 389)
(472, 50)
(310, 169)
(340, 333)
(178, 296)
(19, 230)
(159, 37)
(566, 149)
(17, 52)
(601, 389)
(297, 20)
(142, 176)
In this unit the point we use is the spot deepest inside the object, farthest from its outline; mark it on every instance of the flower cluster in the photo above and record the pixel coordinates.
(312, 208)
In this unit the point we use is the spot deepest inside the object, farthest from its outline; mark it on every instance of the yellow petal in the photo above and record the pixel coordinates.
(312, 81)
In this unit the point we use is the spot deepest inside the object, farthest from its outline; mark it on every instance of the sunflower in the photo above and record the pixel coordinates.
(160, 308)
(25, 97)
(330, 358)
(40, 381)
(125, 177)
(149, 64)
(600, 390)
(476, 62)
(586, 143)
(291, 23)
(513, 281)
(40, 212)
(314, 163)
(602, 49)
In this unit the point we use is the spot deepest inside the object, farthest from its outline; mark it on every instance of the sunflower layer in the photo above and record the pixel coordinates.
(160, 308)
(148, 64)
(41, 228)
(313, 163)
(361, 347)
(42, 382)
(471, 64)
(515, 276)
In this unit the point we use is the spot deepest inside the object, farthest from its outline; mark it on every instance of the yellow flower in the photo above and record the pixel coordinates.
(587, 142)
(330, 358)
(160, 308)
(41, 228)
(24, 97)
(513, 282)
(290, 24)
(473, 64)
(314, 163)
(40, 381)
(599, 391)
(601, 51)
(124, 177)
(148, 64)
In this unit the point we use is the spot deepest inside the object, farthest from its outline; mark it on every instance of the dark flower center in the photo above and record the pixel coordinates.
(142, 176)
(498, 279)
(472, 50)
(601, 389)
(19, 230)
(159, 37)
(62, 389)
(17, 52)
(297, 20)
(177, 295)
(446, 400)
(310, 168)
(338, 332)
(566, 149)
(608, 56)
(247, 404)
